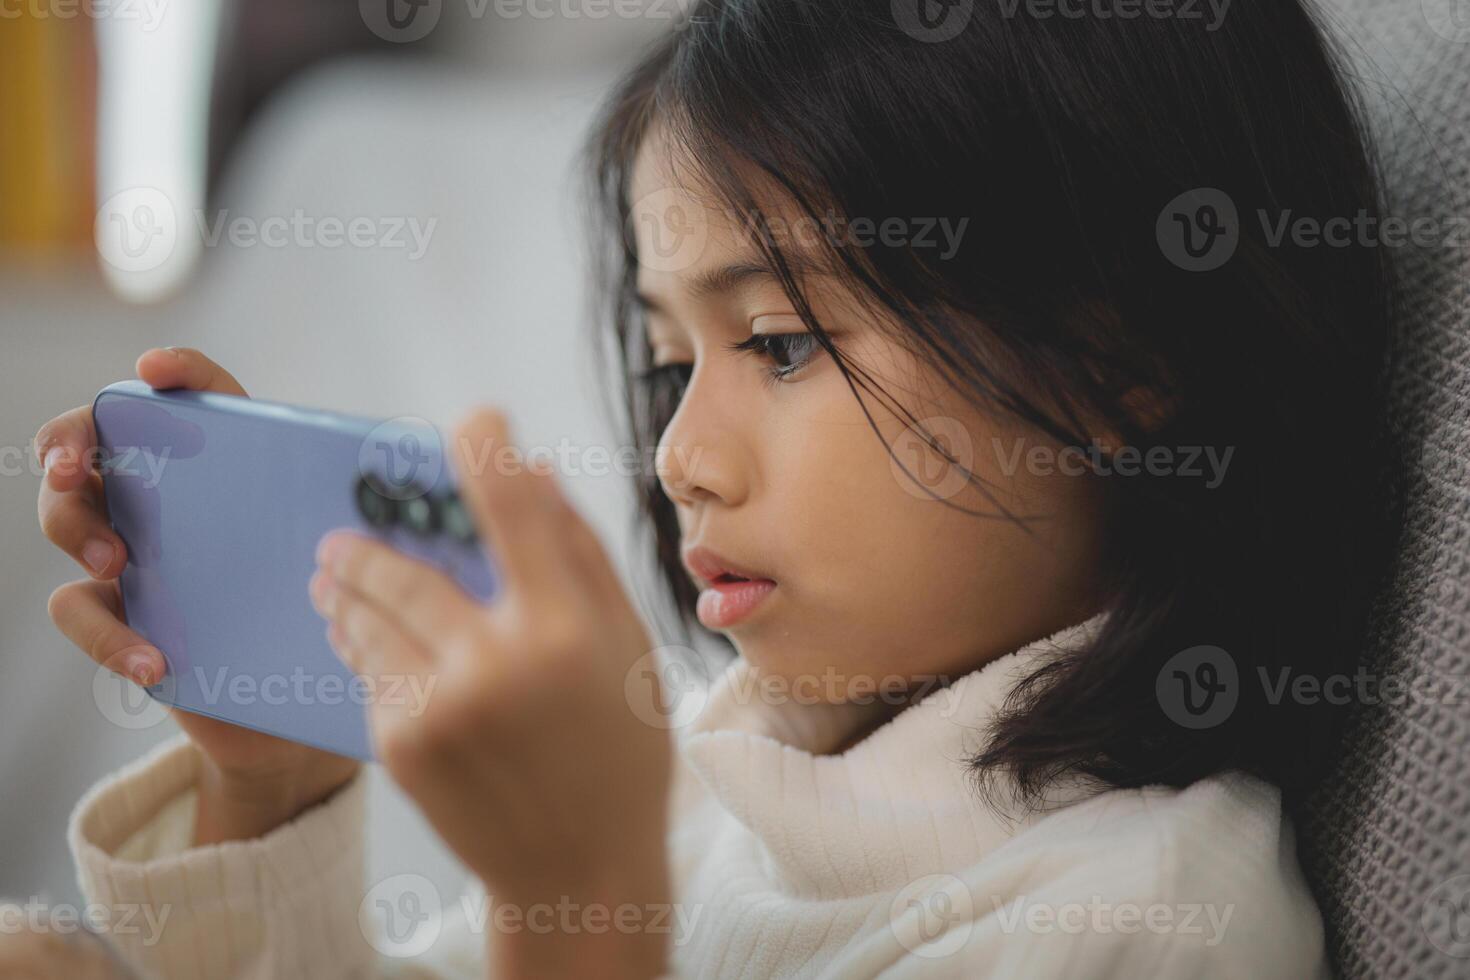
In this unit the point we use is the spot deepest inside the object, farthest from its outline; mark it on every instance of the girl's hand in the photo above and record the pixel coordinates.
(526, 755)
(31, 954)
(251, 782)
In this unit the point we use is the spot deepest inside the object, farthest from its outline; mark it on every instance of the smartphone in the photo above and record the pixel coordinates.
(221, 501)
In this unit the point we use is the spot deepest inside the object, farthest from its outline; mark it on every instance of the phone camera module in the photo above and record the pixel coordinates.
(376, 506)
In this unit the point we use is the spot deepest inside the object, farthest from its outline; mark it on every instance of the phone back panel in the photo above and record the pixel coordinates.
(221, 501)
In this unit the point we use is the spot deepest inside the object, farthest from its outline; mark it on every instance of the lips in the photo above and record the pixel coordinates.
(732, 590)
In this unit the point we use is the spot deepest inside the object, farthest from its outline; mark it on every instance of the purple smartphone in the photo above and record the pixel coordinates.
(221, 501)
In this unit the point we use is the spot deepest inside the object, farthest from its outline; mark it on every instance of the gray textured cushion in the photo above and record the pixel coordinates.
(1387, 841)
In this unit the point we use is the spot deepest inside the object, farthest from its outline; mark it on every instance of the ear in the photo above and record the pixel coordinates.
(1147, 407)
(1147, 410)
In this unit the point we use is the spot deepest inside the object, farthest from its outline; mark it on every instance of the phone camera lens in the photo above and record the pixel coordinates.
(376, 507)
(457, 522)
(419, 514)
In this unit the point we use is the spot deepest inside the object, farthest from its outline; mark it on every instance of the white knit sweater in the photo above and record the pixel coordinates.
(880, 861)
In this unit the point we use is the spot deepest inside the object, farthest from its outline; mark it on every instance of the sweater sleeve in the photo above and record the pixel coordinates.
(285, 904)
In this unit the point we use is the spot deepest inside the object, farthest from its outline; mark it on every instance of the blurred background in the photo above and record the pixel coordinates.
(368, 207)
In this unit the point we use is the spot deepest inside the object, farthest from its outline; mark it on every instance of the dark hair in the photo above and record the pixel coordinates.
(1064, 140)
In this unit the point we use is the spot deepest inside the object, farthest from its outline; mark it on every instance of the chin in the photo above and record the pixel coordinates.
(787, 667)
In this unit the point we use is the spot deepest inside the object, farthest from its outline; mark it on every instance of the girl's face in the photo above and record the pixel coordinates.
(773, 467)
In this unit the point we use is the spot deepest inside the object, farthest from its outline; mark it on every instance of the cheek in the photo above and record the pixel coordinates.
(890, 579)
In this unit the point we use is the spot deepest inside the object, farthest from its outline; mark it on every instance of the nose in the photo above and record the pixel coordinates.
(703, 454)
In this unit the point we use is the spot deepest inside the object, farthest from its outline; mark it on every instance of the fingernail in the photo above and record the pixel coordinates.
(98, 555)
(53, 456)
(141, 666)
(330, 551)
(172, 350)
(321, 593)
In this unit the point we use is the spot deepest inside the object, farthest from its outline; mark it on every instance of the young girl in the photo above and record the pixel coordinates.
(1022, 463)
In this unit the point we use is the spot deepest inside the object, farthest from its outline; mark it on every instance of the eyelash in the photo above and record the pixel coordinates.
(759, 345)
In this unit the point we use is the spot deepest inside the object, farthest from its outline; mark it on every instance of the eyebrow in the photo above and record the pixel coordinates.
(722, 280)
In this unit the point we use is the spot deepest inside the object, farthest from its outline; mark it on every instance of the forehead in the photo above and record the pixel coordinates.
(678, 219)
(683, 226)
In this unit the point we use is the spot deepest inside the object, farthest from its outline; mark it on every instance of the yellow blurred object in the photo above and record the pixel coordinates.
(48, 72)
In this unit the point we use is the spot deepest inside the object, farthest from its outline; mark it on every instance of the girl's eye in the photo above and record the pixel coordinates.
(787, 352)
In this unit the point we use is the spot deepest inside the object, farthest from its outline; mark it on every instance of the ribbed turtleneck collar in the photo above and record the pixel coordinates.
(900, 804)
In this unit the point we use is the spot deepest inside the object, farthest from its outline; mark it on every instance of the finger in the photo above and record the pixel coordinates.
(368, 640)
(590, 557)
(184, 367)
(423, 602)
(587, 555)
(73, 521)
(66, 447)
(513, 506)
(87, 613)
